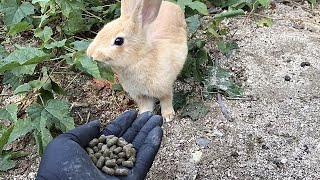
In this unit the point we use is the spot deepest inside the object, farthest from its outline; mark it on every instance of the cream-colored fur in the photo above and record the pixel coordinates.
(153, 52)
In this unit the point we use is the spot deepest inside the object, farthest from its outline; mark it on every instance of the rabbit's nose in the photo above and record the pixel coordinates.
(94, 53)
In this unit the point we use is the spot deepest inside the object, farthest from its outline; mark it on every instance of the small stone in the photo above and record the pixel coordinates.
(235, 154)
(283, 161)
(109, 171)
(303, 64)
(217, 133)
(127, 164)
(265, 146)
(121, 172)
(202, 142)
(196, 156)
(110, 137)
(287, 78)
(93, 142)
(100, 162)
(111, 163)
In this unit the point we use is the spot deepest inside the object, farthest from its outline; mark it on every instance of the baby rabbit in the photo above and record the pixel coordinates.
(146, 47)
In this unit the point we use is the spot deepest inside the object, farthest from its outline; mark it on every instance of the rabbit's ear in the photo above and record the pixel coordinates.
(146, 11)
(127, 7)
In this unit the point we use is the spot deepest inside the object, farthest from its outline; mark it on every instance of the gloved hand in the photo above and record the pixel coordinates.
(65, 156)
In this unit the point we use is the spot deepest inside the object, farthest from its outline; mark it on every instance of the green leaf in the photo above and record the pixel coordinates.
(265, 22)
(4, 138)
(265, 3)
(14, 13)
(57, 89)
(105, 72)
(74, 24)
(56, 111)
(3, 52)
(13, 80)
(17, 154)
(21, 128)
(180, 99)
(68, 7)
(116, 87)
(23, 56)
(219, 79)
(19, 27)
(87, 64)
(200, 7)
(56, 44)
(22, 88)
(9, 112)
(81, 45)
(44, 34)
(227, 47)
(195, 110)
(193, 23)
(6, 163)
(23, 70)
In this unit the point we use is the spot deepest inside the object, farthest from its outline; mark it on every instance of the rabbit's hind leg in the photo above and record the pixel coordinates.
(145, 103)
(167, 110)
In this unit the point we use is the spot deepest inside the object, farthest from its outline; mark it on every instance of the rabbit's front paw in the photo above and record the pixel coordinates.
(168, 116)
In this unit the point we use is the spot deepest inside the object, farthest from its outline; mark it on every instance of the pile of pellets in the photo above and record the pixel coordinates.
(112, 154)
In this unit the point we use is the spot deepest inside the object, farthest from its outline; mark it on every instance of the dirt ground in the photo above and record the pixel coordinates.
(274, 134)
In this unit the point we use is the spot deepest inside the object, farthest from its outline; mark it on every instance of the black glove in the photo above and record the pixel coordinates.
(65, 156)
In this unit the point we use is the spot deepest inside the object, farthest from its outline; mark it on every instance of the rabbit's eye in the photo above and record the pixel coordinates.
(119, 41)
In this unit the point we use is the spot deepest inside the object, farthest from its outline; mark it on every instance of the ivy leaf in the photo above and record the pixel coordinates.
(195, 109)
(22, 88)
(55, 111)
(9, 112)
(3, 52)
(56, 44)
(4, 139)
(87, 64)
(81, 45)
(180, 99)
(227, 47)
(220, 79)
(23, 56)
(19, 27)
(13, 13)
(74, 24)
(265, 22)
(44, 34)
(11, 79)
(106, 72)
(264, 3)
(21, 128)
(200, 7)
(68, 7)
(6, 163)
(23, 70)
(193, 23)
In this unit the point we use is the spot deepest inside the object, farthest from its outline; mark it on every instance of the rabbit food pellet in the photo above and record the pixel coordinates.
(111, 154)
